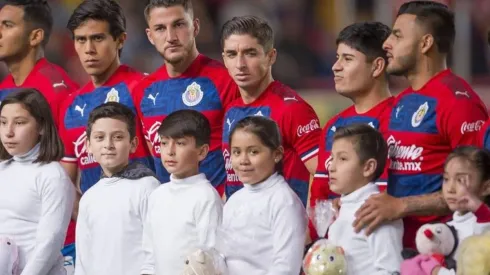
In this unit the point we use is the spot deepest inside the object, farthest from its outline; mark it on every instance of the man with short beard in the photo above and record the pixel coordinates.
(187, 80)
(436, 114)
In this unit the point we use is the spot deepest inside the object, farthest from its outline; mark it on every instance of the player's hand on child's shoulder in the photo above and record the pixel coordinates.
(376, 210)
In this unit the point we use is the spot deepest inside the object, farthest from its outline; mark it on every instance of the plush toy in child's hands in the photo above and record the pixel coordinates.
(205, 262)
(9, 256)
(324, 258)
(437, 240)
(473, 255)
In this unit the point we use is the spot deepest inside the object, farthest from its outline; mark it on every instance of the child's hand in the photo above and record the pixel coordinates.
(467, 201)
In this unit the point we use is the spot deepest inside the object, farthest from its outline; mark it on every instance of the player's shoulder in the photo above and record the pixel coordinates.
(129, 75)
(280, 94)
(212, 65)
(453, 87)
(53, 74)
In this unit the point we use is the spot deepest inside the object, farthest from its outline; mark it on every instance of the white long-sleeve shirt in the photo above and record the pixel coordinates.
(36, 202)
(110, 223)
(183, 215)
(267, 226)
(380, 252)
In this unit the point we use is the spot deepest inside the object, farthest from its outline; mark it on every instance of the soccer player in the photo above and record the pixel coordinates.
(187, 80)
(360, 76)
(24, 33)
(248, 54)
(485, 130)
(99, 32)
(429, 119)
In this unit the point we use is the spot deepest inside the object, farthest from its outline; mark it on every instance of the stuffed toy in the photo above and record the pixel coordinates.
(324, 258)
(473, 255)
(202, 262)
(9, 257)
(437, 240)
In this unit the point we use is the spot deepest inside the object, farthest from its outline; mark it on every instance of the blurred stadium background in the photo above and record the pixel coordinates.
(305, 40)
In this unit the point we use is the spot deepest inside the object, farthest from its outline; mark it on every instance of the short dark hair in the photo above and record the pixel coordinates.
(437, 18)
(252, 25)
(113, 110)
(479, 159)
(37, 14)
(368, 144)
(187, 4)
(51, 147)
(365, 37)
(265, 129)
(186, 123)
(100, 10)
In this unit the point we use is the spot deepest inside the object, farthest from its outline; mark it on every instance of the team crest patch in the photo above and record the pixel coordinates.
(192, 95)
(112, 96)
(419, 115)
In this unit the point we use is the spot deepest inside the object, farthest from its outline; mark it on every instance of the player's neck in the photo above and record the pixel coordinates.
(99, 80)
(22, 67)
(425, 71)
(176, 70)
(251, 94)
(369, 99)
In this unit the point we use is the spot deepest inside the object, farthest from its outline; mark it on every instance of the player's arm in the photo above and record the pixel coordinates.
(484, 136)
(136, 89)
(301, 129)
(228, 91)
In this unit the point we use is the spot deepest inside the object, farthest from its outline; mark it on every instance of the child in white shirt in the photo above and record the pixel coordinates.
(183, 214)
(466, 186)
(265, 220)
(110, 217)
(36, 195)
(358, 159)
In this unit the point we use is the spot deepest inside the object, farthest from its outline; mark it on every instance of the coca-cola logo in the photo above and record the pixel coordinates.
(305, 129)
(81, 145)
(468, 127)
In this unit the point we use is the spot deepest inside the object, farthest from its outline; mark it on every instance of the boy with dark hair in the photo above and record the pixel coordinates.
(184, 213)
(248, 54)
(360, 76)
(111, 214)
(358, 159)
(437, 113)
(186, 80)
(99, 32)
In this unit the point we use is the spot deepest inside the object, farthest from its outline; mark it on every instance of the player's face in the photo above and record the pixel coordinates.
(111, 144)
(14, 37)
(252, 161)
(96, 47)
(246, 61)
(19, 130)
(401, 46)
(346, 172)
(352, 72)
(181, 156)
(172, 31)
(459, 176)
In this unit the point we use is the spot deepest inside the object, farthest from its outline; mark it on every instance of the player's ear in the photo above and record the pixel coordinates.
(427, 42)
(197, 26)
(150, 38)
(378, 67)
(36, 37)
(485, 188)
(272, 56)
(121, 39)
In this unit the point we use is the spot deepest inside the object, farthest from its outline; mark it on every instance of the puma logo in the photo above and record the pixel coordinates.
(60, 84)
(80, 109)
(229, 122)
(153, 98)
